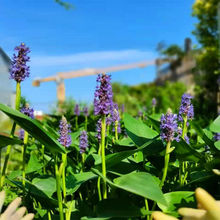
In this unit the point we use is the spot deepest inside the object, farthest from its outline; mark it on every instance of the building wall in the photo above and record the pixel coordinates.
(5, 84)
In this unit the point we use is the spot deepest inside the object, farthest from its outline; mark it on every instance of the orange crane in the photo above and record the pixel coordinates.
(60, 76)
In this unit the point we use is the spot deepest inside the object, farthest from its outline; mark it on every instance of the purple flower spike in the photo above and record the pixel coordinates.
(186, 107)
(98, 129)
(115, 113)
(77, 110)
(122, 108)
(217, 137)
(169, 128)
(21, 134)
(140, 114)
(154, 102)
(65, 137)
(116, 117)
(19, 69)
(28, 111)
(103, 95)
(186, 138)
(108, 120)
(83, 141)
(86, 111)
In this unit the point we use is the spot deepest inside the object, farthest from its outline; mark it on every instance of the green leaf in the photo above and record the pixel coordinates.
(217, 145)
(185, 152)
(137, 130)
(177, 199)
(34, 128)
(37, 193)
(14, 174)
(118, 208)
(215, 126)
(113, 159)
(204, 137)
(200, 176)
(142, 184)
(155, 120)
(45, 183)
(91, 218)
(6, 140)
(125, 142)
(33, 164)
(73, 182)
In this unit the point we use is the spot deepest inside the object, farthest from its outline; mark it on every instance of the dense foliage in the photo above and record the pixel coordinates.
(139, 98)
(150, 163)
(207, 70)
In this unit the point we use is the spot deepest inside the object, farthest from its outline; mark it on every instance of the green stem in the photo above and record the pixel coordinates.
(76, 122)
(99, 188)
(184, 126)
(182, 174)
(49, 215)
(86, 122)
(103, 156)
(99, 179)
(0, 160)
(64, 157)
(83, 161)
(59, 194)
(42, 151)
(24, 156)
(166, 163)
(18, 96)
(153, 110)
(116, 130)
(147, 208)
(68, 215)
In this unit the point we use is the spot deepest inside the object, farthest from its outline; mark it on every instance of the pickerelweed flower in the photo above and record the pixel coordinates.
(169, 127)
(83, 141)
(65, 137)
(108, 120)
(86, 111)
(115, 113)
(77, 110)
(122, 108)
(28, 111)
(186, 107)
(98, 129)
(140, 114)
(103, 95)
(154, 102)
(217, 137)
(21, 134)
(19, 69)
(116, 117)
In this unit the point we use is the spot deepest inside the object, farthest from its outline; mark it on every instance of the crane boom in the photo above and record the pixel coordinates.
(60, 76)
(92, 71)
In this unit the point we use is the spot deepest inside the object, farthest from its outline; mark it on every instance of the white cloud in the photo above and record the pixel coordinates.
(88, 57)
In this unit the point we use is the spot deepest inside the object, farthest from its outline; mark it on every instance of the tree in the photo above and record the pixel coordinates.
(136, 98)
(208, 65)
(64, 4)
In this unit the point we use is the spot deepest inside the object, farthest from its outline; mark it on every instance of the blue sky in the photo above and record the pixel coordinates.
(96, 33)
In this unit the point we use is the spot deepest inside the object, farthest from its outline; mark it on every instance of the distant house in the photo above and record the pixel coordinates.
(180, 69)
(6, 92)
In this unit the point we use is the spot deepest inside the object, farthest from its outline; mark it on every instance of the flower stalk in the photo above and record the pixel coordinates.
(103, 128)
(58, 186)
(166, 163)
(24, 156)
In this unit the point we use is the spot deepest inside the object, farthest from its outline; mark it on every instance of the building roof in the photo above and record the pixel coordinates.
(5, 56)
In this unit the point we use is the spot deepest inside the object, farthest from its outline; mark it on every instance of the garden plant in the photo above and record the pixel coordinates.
(100, 162)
